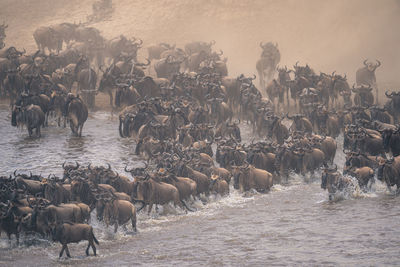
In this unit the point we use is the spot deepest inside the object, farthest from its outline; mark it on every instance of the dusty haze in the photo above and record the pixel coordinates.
(328, 35)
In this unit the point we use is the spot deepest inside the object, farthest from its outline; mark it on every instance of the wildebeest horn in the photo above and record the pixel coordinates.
(212, 42)
(30, 174)
(144, 64)
(289, 117)
(254, 77)
(388, 95)
(89, 166)
(77, 165)
(15, 172)
(63, 165)
(21, 53)
(109, 166)
(126, 169)
(140, 42)
(116, 176)
(365, 62)
(261, 45)
(378, 64)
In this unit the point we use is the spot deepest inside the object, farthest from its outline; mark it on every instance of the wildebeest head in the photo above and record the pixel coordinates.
(144, 190)
(56, 230)
(329, 179)
(386, 171)
(283, 75)
(17, 115)
(101, 201)
(372, 66)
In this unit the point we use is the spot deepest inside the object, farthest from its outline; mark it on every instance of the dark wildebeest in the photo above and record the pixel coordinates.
(47, 37)
(155, 51)
(65, 32)
(77, 113)
(67, 233)
(31, 116)
(196, 47)
(267, 63)
(366, 75)
(86, 78)
(167, 67)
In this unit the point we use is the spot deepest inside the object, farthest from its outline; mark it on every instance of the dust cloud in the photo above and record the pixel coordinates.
(328, 35)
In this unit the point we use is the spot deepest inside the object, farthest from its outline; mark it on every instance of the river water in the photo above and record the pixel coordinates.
(291, 225)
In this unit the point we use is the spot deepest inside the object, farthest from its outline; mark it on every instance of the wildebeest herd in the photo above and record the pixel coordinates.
(181, 118)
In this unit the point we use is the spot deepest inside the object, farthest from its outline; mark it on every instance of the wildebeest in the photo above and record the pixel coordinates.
(334, 182)
(86, 78)
(155, 50)
(389, 172)
(198, 46)
(247, 177)
(116, 212)
(126, 95)
(31, 116)
(167, 67)
(363, 96)
(153, 192)
(391, 141)
(67, 233)
(77, 113)
(47, 37)
(366, 75)
(267, 63)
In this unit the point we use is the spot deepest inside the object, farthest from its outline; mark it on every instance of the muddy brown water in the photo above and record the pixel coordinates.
(291, 225)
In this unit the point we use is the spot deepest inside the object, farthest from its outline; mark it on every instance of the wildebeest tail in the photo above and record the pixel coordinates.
(94, 238)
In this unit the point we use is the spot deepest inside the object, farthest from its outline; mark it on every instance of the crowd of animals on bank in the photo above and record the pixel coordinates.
(177, 106)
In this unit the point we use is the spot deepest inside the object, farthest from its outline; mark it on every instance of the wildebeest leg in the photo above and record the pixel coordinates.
(67, 251)
(93, 247)
(9, 238)
(150, 207)
(38, 131)
(71, 125)
(62, 250)
(111, 97)
(287, 97)
(73, 129)
(80, 130)
(30, 131)
(133, 221)
(87, 249)
(115, 227)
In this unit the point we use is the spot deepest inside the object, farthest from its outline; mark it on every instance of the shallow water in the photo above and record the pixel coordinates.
(291, 225)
